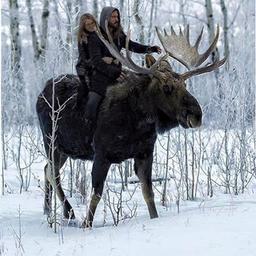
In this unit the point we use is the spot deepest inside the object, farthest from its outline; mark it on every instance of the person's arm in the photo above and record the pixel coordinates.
(81, 62)
(139, 48)
(94, 46)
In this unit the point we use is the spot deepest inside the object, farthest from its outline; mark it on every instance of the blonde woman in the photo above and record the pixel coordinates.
(87, 25)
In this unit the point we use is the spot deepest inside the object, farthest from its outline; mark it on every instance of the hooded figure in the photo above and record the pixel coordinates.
(104, 74)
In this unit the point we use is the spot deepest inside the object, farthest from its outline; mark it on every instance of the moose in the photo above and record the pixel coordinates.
(151, 100)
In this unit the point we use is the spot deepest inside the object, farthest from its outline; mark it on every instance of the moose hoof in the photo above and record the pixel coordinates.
(69, 214)
(86, 224)
(47, 211)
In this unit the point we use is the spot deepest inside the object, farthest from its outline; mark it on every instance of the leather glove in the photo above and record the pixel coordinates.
(154, 48)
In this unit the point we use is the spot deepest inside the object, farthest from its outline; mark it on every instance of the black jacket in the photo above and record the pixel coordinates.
(105, 74)
(83, 57)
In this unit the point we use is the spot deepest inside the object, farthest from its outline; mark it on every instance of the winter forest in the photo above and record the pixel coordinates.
(204, 179)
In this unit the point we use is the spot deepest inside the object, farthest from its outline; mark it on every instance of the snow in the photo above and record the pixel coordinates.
(223, 225)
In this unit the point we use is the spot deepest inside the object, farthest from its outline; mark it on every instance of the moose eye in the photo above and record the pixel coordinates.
(167, 89)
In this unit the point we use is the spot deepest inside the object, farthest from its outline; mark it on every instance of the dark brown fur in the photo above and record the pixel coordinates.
(129, 119)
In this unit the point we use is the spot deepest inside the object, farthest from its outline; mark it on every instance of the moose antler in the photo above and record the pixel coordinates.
(126, 61)
(179, 47)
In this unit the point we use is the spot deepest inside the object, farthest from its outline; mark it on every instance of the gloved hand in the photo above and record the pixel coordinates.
(154, 48)
(108, 60)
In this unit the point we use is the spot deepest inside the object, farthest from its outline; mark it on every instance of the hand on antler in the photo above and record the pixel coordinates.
(108, 60)
(122, 77)
(154, 48)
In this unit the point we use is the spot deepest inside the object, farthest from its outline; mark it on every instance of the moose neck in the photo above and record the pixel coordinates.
(141, 93)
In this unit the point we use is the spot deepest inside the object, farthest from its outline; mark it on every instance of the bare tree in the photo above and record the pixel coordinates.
(45, 18)
(4, 164)
(163, 201)
(210, 26)
(117, 202)
(225, 29)
(95, 9)
(58, 21)
(150, 28)
(139, 21)
(35, 41)
(69, 23)
(15, 37)
(121, 5)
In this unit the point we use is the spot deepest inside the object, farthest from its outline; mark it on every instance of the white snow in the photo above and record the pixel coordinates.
(224, 225)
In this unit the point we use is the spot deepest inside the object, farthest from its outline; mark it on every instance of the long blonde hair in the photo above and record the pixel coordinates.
(82, 33)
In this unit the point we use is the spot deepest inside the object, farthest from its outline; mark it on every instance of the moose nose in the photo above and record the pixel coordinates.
(193, 121)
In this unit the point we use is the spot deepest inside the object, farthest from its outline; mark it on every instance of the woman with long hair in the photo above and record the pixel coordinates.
(87, 25)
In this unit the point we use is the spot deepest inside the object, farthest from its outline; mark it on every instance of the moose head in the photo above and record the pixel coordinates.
(175, 105)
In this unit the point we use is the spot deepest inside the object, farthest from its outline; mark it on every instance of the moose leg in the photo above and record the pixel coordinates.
(48, 193)
(68, 212)
(59, 160)
(143, 169)
(99, 173)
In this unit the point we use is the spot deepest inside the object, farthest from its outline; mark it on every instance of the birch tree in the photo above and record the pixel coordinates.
(15, 37)
(35, 41)
(57, 20)
(95, 9)
(210, 26)
(45, 18)
(151, 21)
(16, 82)
(225, 29)
(139, 21)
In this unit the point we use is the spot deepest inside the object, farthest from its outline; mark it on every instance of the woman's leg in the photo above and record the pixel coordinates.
(82, 91)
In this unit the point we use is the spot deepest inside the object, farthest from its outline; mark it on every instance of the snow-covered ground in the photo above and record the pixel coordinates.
(223, 225)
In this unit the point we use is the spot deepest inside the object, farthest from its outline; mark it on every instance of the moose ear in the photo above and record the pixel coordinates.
(150, 60)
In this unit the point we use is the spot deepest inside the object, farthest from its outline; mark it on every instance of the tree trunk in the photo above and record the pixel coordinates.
(82, 6)
(186, 164)
(225, 21)
(215, 53)
(4, 165)
(57, 20)
(78, 11)
(121, 6)
(35, 42)
(126, 173)
(139, 21)
(164, 199)
(151, 21)
(45, 17)
(16, 76)
(15, 37)
(210, 26)
(69, 29)
(95, 9)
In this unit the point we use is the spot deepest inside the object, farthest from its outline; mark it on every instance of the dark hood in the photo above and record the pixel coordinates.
(106, 14)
